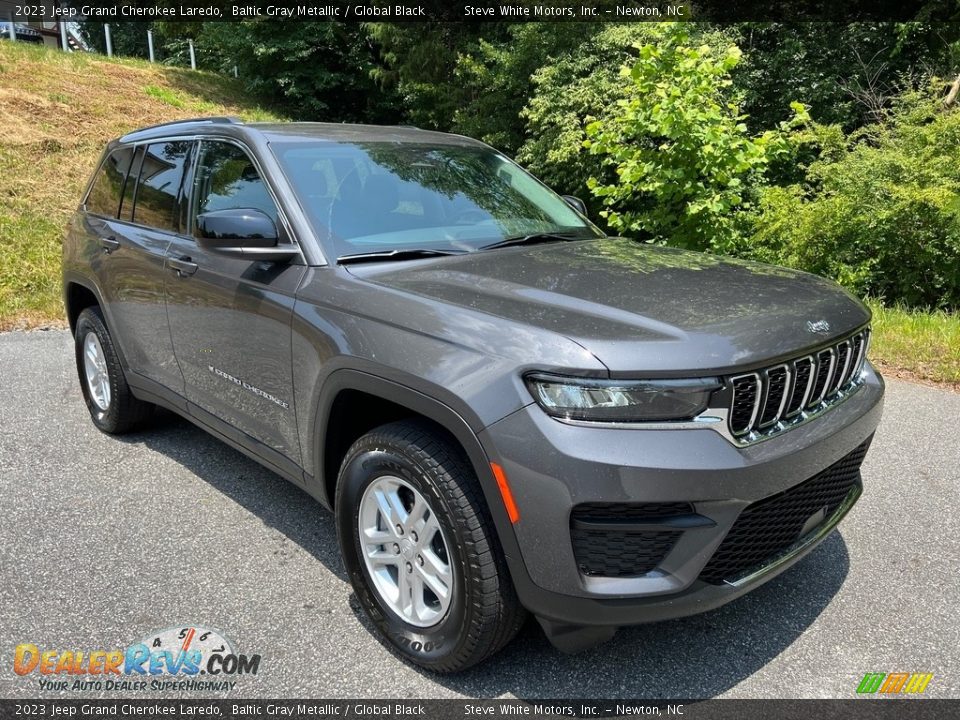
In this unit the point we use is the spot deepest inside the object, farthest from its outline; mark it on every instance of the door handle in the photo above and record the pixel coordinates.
(109, 244)
(182, 266)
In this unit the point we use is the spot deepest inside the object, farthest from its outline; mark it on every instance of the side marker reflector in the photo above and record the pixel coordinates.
(505, 493)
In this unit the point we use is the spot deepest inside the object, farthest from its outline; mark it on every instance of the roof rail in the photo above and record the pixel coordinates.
(225, 119)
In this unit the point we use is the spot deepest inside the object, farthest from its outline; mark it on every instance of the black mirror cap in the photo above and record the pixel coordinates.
(236, 227)
(576, 203)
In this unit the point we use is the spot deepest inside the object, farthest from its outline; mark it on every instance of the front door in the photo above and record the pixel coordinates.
(230, 317)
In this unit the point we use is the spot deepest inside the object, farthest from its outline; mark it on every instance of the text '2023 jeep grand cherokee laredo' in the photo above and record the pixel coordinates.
(505, 409)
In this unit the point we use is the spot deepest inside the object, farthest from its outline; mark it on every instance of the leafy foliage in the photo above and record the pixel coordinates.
(845, 73)
(879, 212)
(499, 76)
(582, 82)
(686, 166)
(310, 70)
(418, 64)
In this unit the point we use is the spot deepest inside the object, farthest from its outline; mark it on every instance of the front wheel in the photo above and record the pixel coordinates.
(420, 548)
(112, 406)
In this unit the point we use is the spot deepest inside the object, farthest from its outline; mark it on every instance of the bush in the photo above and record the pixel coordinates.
(583, 82)
(686, 167)
(880, 212)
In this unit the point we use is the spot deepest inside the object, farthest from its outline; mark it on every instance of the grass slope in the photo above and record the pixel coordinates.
(57, 111)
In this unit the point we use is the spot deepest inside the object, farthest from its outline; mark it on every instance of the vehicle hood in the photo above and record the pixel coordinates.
(639, 307)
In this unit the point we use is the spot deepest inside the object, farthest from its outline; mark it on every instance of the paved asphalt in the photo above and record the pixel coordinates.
(103, 540)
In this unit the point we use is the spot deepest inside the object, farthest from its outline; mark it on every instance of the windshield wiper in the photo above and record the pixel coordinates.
(407, 254)
(533, 239)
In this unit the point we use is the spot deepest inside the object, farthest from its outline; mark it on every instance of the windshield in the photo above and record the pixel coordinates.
(381, 197)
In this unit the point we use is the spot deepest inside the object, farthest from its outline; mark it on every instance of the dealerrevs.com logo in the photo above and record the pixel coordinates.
(179, 658)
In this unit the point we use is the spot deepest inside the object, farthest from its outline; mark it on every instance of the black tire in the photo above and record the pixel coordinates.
(124, 413)
(484, 613)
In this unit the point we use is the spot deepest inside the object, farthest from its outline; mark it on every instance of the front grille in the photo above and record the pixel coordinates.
(764, 402)
(608, 543)
(767, 528)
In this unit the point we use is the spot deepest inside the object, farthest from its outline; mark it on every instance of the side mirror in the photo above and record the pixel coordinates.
(243, 233)
(576, 203)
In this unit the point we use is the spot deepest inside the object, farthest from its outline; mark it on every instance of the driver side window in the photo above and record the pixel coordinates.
(228, 179)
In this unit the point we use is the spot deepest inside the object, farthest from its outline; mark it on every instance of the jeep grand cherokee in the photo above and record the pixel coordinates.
(506, 410)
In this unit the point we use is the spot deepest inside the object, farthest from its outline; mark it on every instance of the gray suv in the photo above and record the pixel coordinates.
(506, 410)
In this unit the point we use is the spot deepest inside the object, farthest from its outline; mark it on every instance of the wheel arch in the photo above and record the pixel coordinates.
(338, 421)
(77, 296)
(415, 404)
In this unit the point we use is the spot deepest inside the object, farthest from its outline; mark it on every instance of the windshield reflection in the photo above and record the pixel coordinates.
(381, 197)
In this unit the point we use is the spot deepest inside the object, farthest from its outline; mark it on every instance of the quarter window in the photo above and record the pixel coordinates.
(161, 173)
(104, 197)
(126, 206)
(228, 179)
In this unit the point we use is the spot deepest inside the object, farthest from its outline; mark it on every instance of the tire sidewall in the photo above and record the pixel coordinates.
(90, 322)
(426, 646)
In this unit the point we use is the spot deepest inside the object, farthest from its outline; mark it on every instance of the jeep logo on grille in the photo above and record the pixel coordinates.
(820, 326)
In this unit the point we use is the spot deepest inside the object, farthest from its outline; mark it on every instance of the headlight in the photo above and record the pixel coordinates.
(619, 400)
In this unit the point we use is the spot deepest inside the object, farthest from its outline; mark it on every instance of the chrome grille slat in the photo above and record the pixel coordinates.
(802, 373)
(769, 400)
(776, 382)
(746, 392)
(824, 360)
(843, 366)
(864, 347)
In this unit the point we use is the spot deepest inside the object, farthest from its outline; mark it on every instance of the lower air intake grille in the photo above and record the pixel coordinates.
(617, 550)
(767, 528)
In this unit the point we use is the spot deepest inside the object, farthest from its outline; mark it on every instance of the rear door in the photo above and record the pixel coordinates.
(230, 318)
(128, 258)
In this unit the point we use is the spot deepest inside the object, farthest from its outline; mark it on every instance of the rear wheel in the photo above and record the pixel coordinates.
(112, 406)
(420, 548)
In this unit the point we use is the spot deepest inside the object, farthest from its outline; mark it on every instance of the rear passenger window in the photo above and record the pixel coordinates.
(161, 173)
(107, 189)
(228, 179)
(126, 206)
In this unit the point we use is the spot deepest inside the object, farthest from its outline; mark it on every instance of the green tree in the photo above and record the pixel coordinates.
(686, 167)
(879, 210)
(308, 70)
(584, 81)
(418, 65)
(497, 78)
(846, 73)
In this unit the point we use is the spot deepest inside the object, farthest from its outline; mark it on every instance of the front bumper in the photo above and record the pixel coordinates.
(553, 467)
